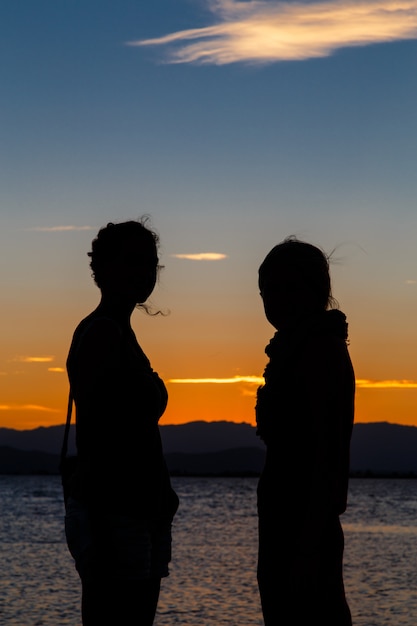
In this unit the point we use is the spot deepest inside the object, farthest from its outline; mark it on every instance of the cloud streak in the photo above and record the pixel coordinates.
(201, 256)
(253, 380)
(56, 229)
(35, 359)
(27, 407)
(386, 384)
(361, 383)
(266, 32)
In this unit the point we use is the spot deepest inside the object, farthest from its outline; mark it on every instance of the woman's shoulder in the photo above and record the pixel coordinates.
(96, 325)
(95, 337)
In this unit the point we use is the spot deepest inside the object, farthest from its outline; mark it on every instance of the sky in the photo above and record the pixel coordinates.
(232, 125)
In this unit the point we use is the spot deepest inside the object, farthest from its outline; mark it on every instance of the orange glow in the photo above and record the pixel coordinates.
(210, 402)
(211, 370)
(395, 405)
(37, 395)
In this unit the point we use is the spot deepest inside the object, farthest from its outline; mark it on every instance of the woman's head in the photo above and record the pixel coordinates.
(124, 256)
(294, 282)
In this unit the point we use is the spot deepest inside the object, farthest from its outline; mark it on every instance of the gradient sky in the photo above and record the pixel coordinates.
(233, 125)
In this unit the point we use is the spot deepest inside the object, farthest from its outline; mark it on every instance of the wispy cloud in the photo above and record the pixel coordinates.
(411, 282)
(34, 359)
(386, 384)
(54, 229)
(261, 31)
(253, 380)
(58, 370)
(361, 383)
(201, 256)
(27, 407)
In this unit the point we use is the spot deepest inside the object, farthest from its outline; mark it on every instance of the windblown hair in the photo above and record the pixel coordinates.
(310, 262)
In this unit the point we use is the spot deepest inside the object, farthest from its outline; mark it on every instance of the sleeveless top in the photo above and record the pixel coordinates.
(121, 463)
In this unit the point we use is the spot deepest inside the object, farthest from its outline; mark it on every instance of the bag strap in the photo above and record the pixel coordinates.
(64, 448)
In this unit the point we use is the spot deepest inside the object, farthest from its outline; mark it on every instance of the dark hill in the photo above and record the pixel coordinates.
(384, 448)
(14, 461)
(219, 447)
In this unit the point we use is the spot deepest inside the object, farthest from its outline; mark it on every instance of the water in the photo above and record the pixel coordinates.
(213, 574)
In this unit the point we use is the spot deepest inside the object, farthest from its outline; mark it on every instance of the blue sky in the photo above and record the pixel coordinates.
(233, 124)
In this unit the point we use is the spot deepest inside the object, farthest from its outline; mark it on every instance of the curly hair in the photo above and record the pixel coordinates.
(310, 262)
(111, 241)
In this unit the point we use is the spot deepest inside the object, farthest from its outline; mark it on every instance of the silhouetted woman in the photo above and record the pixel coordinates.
(305, 413)
(118, 519)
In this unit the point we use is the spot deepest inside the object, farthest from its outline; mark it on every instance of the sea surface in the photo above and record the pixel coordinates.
(213, 573)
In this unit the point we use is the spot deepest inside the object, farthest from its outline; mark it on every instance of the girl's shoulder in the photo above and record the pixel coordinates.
(325, 360)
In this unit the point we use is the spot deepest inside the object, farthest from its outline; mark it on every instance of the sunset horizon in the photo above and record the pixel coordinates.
(232, 125)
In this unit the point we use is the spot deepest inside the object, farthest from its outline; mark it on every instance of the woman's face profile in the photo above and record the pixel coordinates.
(141, 269)
(133, 272)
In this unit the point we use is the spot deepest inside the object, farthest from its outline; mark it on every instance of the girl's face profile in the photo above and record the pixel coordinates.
(286, 296)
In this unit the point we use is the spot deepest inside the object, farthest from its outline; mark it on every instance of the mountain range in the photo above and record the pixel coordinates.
(217, 448)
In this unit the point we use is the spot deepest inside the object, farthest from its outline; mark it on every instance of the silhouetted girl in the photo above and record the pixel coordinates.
(118, 519)
(304, 414)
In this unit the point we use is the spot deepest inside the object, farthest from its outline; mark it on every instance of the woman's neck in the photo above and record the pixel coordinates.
(116, 308)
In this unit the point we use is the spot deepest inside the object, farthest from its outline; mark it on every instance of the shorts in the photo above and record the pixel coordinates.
(119, 547)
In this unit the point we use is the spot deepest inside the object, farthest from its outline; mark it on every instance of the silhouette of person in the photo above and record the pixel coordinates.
(304, 413)
(121, 504)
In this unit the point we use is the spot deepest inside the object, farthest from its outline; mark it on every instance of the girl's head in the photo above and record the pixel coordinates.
(294, 282)
(124, 258)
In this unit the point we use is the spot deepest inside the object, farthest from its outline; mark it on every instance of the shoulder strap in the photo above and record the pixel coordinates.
(67, 427)
(64, 448)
